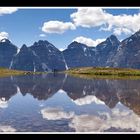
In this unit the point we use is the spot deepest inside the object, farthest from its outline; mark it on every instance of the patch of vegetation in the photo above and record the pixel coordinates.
(7, 72)
(105, 73)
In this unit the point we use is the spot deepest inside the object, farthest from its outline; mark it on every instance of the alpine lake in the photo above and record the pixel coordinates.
(63, 103)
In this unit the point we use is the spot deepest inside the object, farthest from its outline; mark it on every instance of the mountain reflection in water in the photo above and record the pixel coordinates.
(82, 92)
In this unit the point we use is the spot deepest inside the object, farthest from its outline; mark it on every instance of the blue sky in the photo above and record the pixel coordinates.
(87, 25)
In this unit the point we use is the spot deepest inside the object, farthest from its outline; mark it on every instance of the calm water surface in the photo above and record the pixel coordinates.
(61, 103)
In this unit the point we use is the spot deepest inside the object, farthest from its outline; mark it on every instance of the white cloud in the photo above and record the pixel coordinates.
(3, 103)
(87, 17)
(116, 118)
(119, 119)
(42, 35)
(7, 128)
(88, 100)
(88, 41)
(119, 31)
(7, 10)
(58, 27)
(4, 35)
(56, 114)
(61, 49)
(86, 123)
(97, 17)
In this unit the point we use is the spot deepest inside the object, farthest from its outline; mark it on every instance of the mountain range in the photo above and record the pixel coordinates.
(44, 56)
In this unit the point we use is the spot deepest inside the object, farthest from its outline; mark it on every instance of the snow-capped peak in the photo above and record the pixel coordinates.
(4, 40)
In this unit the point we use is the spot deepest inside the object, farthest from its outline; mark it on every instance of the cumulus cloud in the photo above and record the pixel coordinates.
(88, 41)
(86, 123)
(97, 17)
(56, 114)
(7, 10)
(4, 35)
(89, 17)
(88, 100)
(119, 31)
(58, 27)
(3, 103)
(119, 119)
(7, 128)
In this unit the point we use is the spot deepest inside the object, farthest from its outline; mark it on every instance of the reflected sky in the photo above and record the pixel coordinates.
(61, 103)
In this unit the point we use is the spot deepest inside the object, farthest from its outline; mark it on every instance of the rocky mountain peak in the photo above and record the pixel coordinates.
(76, 44)
(113, 40)
(24, 48)
(41, 43)
(133, 40)
(5, 41)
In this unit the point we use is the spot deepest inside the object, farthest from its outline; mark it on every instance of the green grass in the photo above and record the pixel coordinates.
(7, 72)
(106, 73)
(87, 72)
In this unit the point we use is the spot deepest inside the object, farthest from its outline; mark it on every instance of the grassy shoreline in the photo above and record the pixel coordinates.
(105, 73)
(8, 72)
(87, 73)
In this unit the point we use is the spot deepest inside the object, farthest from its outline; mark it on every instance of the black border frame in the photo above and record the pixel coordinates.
(70, 3)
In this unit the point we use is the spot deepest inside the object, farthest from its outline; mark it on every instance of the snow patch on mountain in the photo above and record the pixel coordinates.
(45, 67)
